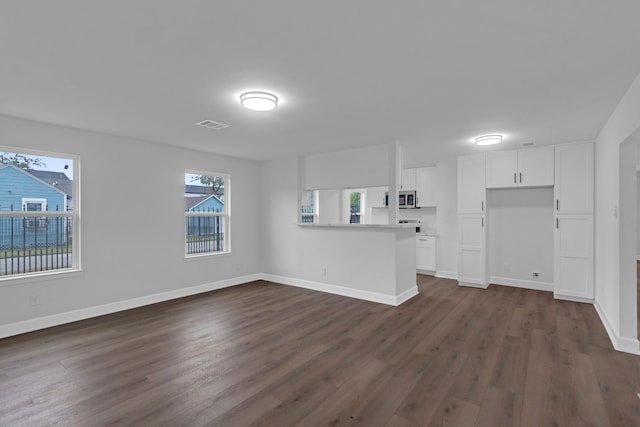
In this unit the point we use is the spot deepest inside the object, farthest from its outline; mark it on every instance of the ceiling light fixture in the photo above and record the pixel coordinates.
(488, 139)
(259, 101)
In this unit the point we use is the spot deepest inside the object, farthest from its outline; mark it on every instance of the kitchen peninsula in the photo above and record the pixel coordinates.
(375, 262)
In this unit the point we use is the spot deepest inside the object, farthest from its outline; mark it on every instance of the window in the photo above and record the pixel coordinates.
(206, 211)
(356, 206)
(38, 213)
(309, 207)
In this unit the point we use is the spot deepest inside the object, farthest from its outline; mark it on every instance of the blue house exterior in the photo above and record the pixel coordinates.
(204, 225)
(21, 191)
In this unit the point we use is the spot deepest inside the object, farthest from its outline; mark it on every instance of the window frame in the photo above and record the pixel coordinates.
(226, 215)
(45, 215)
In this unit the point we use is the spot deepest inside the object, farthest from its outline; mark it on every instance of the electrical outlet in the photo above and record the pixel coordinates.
(34, 300)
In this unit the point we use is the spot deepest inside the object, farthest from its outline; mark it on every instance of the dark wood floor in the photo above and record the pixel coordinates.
(273, 355)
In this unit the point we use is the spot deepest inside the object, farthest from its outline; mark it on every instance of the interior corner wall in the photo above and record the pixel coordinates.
(132, 222)
(624, 121)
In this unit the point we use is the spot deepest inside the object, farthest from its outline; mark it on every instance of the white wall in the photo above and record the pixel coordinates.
(520, 236)
(613, 300)
(360, 167)
(132, 222)
(637, 215)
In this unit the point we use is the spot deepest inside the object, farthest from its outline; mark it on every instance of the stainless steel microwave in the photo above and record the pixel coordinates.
(406, 199)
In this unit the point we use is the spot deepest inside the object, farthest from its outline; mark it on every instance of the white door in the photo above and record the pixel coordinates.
(573, 188)
(502, 169)
(471, 179)
(573, 252)
(535, 167)
(472, 251)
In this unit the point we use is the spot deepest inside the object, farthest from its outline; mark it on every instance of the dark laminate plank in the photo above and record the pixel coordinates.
(273, 355)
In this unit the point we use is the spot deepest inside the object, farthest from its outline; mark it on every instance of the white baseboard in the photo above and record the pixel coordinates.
(447, 274)
(100, 310)
(518, 283)
(573, 298)
(627, 345)
(394, 300)
(473, 285)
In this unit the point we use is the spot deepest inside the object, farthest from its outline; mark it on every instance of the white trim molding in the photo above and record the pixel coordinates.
(394, 300)
(626, 345)
(447, 274)
(518, 283)
(100, 310)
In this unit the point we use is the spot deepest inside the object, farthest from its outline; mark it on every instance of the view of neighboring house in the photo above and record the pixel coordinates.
(28, 190)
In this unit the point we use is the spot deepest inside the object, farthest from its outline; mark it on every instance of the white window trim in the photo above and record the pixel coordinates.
(226, 215)
(76, 265)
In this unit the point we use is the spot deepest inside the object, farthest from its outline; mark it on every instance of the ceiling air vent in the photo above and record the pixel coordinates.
(212, 125)
(529, 144)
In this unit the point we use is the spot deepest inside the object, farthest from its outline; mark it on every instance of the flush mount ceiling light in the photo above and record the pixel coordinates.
(259, 101)
(488, 139)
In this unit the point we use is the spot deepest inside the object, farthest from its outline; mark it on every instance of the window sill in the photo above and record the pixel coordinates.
(206, 255)
(40, 276)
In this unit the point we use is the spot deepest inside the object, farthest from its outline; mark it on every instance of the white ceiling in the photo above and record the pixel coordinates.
(430, 74)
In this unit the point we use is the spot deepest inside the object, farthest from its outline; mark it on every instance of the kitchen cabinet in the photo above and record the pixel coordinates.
(573, 258)
(471, 184)
(573, 233)
(425, 186)
(573, 190)
(426, 253)
(408, 180)
(472, 251)
(471, 221)
(532, 167)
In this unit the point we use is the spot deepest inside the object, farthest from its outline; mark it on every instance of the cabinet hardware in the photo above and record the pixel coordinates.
(520, 177)
(556, 222)
(482, 206)
(514, 177)
(483, 221)
(557, 204)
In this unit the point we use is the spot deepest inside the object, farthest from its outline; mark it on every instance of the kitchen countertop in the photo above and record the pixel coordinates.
(375, 226)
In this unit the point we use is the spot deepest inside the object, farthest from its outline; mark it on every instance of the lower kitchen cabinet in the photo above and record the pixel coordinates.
(573, 266)
(426, 253)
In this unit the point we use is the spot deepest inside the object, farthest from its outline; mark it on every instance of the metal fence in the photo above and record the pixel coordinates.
(35, 241)
(204, 234)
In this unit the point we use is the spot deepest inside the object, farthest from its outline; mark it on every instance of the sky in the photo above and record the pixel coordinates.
(54, 164)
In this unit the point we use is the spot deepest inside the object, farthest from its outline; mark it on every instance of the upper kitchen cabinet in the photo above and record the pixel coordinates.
(533, 167)
(471, 184)
(573, 189)
(425, 185)
(408, 182)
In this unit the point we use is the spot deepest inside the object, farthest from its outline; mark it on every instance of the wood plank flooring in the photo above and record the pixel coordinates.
(265, 354)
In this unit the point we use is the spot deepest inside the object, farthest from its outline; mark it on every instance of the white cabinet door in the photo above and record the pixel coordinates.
(573, 188)
(535, 167)
(425, 179)
(471, 184)
(471, 251)
(408, 182)
(426, 253)
(573, 264)
(532, 167)
(502, 169)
